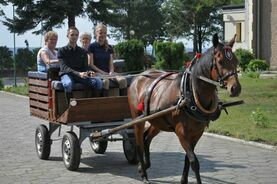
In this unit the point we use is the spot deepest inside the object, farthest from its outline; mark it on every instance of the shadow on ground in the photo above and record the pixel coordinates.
(164, 164)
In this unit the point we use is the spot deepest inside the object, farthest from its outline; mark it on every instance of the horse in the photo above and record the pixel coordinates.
(154, 90)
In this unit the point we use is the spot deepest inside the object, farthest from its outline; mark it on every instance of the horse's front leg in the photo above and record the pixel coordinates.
(184, 179)
(191, 158)
(149, 134)
(139, 129)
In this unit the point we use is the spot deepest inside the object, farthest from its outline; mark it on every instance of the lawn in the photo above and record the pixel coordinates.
(256, 93)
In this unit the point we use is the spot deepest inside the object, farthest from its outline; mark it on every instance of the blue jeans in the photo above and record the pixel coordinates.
(68, 81)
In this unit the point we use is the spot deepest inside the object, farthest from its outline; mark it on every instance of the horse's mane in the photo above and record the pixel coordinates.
(203, 66)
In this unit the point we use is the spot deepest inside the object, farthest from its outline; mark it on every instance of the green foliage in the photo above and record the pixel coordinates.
(132, 52)
(259, 118)
(244, 56)
(169, 55)
(25, 59)
(143, 18)
(251, 74)
(48, 12)
(195, 20)
(6, 61)
(21, 90)
(257, 65)
(1, 84)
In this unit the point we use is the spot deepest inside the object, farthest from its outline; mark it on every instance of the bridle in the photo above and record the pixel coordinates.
(220, 77)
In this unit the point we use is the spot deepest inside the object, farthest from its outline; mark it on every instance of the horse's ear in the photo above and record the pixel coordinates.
(215, 40)
(232, 41)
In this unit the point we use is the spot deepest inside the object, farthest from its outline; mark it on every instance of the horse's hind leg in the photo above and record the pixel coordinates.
(148, 137)
(139, 129)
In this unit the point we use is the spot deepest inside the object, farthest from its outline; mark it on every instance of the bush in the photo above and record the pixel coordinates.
(257, 65)
(1, 84)
(251, 74)
(169, 55)
(132, 52)
(259, 119)
(244, 56)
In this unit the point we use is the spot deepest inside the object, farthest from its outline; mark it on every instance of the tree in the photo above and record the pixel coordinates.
(25, 59)
(196, 20)
(6, 61)
(4, 3)
(131, 19)
(51, 13)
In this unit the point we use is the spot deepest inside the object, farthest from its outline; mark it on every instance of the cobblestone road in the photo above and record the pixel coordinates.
(222, 161)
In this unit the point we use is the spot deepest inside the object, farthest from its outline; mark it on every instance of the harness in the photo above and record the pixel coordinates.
(193, 109)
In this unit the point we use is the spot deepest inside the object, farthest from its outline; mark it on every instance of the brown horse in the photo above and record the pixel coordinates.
(217, 64)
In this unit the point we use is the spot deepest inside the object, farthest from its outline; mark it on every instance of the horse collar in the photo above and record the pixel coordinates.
(193, 108)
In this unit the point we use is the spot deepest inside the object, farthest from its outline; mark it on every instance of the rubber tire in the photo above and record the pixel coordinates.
(99, 147)
(70, 144)
(129, 148)
(42, 135)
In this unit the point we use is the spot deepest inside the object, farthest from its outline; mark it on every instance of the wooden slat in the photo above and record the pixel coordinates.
(38, 82)
(39, 104)
(40, 90)
(38, 97)
(39, 113)
(97, 109)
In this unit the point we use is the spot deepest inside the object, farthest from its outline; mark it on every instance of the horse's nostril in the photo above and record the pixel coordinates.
(235, 90)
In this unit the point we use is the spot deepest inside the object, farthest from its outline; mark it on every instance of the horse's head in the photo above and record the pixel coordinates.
(224, 67)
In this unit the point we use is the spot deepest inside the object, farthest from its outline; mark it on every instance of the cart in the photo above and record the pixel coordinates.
(90, 115)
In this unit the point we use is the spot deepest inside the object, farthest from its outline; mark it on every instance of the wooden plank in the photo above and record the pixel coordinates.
(97, 109)
(38, 82)
(39, 113)
(39, 104)
(54, 102)
(39, 97)
(40, 90)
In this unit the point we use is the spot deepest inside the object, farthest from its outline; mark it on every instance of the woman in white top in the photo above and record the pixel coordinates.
(47, 55)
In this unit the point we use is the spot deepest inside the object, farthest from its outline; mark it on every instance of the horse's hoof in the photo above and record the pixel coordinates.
(145, 181)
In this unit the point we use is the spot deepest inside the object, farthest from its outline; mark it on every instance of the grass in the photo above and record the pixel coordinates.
(259, 95)
(21, 90)
(256, 93)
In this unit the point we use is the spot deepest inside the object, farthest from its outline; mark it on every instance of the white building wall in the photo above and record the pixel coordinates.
(231, 18)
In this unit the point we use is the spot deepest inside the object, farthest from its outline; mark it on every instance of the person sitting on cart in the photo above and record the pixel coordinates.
(100, 58)
(85, 39)
(74, 66)
(47, 56)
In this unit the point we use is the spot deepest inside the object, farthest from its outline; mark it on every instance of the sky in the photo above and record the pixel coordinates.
(82, 23)
(6, 38)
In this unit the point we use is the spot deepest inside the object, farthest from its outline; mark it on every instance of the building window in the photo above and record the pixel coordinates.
(238, 32)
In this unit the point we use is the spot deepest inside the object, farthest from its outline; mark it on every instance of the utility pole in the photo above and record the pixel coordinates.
(14, 64)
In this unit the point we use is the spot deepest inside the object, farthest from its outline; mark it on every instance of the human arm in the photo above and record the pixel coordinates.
(46, 59)
(66, 64)
(111, 67)
(92, 65)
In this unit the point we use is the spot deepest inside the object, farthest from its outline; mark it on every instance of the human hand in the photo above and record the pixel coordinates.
(91, 74)
(83, 75)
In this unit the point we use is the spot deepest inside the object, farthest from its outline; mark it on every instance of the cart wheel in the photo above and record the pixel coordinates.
(129, 148)
(99, 147)
(71, 151)
(42, 142)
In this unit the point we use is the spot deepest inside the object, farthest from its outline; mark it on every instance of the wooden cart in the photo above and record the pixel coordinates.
(90, 115)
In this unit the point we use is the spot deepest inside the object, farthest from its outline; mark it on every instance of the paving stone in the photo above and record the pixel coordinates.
(221, 161)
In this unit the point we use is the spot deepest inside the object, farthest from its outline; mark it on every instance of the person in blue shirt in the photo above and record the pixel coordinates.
(74, 65)
(100, 58)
